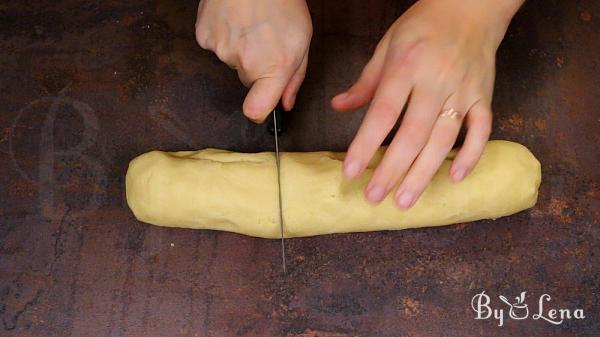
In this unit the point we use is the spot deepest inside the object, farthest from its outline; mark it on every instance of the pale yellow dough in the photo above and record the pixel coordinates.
(237, 192)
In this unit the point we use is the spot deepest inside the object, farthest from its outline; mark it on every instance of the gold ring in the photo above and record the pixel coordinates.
(451, 113)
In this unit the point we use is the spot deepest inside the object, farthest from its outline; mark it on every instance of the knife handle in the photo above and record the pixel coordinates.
(281, 121)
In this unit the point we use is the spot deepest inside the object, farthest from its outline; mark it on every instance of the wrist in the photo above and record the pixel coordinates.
(490, 17)
(505, 9)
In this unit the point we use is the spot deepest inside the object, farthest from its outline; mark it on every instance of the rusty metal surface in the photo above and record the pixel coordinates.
(86, 86)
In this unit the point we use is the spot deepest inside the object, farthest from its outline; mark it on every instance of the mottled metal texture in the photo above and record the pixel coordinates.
(86, 86)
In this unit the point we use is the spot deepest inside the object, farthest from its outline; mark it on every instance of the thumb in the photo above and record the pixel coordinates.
(263, 96)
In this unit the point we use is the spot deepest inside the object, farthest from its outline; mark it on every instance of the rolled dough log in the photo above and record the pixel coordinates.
(237, 192)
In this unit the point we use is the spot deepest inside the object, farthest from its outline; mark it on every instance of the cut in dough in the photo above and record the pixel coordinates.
(237, 192)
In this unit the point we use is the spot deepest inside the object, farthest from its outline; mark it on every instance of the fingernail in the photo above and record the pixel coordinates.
(458, 174)
(342, 96)
(375, 193)
(292, 102)
(405, 199)
(352, 169)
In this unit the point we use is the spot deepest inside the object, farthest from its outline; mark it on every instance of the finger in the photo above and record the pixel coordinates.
(291, 90)
(246, 78)
(263, 97)
(442, 139)
(387, 104)
(363, 89)
(226, 56)
(479, 123)
(413, 134)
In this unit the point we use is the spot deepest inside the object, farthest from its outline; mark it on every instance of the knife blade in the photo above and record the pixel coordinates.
(277, 129)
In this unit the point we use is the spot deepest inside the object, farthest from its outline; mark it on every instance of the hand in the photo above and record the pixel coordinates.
(437, 56)
(266, 41)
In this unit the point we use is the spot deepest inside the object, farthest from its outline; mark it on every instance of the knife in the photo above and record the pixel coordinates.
(276, 128)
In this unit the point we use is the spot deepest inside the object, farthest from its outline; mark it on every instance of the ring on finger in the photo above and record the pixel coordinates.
(451, 113)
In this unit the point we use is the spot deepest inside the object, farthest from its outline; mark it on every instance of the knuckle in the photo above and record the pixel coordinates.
(397, 55)
(414, 180)
(448, 79)
(380, 174)
(245, 64)
(446, 138)
(440, 88)
(400, 60)
(415, 136)
(203, 33)
(202, 38)
(387, 174)
(446, 72)
(385, 111)
(245, 56)
(223, 53)
(486, 129)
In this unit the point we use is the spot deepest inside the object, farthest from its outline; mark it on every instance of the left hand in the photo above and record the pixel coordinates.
(439, 55)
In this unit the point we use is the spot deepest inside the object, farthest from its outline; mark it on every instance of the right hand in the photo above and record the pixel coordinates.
(265, 41)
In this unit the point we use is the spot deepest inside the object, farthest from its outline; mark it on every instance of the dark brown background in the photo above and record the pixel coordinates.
(87, 85)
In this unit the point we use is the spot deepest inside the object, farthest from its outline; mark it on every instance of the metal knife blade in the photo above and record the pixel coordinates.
(275, 113)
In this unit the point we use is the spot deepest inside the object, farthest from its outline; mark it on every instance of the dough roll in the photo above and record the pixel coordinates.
(237, 192)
